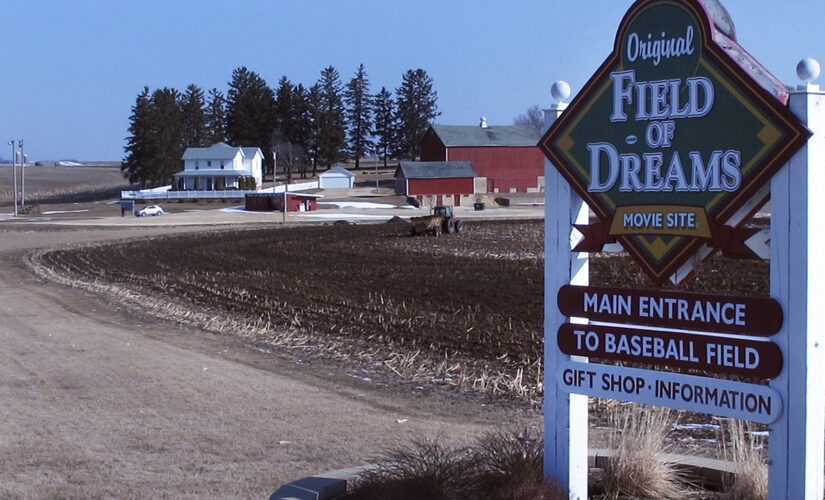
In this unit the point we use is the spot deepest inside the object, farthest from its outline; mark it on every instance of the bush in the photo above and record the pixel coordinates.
(500, 465)
(246, 183)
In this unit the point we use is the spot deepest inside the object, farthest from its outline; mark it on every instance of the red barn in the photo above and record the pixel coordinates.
(506, 156)
(435, 183)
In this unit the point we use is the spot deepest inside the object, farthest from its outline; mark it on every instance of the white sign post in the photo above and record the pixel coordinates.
(565, 414)
(797, 248)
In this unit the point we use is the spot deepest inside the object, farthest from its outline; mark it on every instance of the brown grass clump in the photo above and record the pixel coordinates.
(500, 465)
(750, 481)
(636, 470)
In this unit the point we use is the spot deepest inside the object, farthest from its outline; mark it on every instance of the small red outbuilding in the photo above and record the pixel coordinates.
(445, 182)
(295, 202)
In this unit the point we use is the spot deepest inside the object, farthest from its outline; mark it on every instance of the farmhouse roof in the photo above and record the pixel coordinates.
(249, 152)
(219, 151)
(434, 169)
(336, 171)
(466, 135)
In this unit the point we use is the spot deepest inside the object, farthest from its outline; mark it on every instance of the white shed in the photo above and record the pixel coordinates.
(336, 177)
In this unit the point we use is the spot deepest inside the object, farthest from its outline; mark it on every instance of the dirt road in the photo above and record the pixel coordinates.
(98, 403)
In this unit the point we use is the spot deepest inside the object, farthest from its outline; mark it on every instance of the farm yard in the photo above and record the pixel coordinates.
(320, 344)
(462, 310)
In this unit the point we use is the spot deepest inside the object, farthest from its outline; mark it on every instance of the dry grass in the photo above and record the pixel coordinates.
(500, 465)
(68, 184)
(747, 452)
(636, 469)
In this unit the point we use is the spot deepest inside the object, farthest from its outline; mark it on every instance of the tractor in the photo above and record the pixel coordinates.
(442, 220)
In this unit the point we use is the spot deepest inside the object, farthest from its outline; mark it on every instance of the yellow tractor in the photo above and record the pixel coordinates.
(442, 220)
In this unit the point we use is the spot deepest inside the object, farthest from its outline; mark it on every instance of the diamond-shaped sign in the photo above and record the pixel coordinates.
(671, 136)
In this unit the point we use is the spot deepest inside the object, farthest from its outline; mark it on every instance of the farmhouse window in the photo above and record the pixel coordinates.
(209, 163)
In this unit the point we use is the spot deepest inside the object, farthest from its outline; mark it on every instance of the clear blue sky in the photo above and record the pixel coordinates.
(70, 71)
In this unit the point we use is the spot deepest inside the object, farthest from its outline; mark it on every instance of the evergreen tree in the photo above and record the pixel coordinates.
(314, 120)
(303, 125)
(286, 116)
(416, 108)
(196, 134)
(359, 115)
(215, 114)
(137, 161)
(386, 127)
(168, 135)
(250, 117)
(155, 144)
(330, 126)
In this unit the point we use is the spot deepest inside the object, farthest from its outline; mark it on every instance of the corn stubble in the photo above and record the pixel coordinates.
(463, 311)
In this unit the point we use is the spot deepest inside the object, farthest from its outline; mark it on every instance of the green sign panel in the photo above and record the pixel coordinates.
(671, 136)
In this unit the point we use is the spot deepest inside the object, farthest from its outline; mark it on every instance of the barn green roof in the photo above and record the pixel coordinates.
(434, 169)
(465, 135)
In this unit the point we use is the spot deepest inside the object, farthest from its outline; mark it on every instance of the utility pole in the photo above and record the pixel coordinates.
(22, 176)
(286, 176)
(14, 173)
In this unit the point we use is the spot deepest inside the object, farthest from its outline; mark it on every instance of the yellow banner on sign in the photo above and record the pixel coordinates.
(671, 220)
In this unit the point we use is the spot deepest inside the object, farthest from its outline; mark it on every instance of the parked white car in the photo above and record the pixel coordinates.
(150, 210)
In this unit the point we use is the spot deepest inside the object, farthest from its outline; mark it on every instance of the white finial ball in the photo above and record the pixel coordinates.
(808, 69)
(560, 90)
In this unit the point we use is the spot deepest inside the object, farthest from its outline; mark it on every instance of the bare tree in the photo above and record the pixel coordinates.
(534, 118)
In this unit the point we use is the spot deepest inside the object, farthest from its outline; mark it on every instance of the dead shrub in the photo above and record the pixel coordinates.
(511, 466)
(636, 470)
(746, 451)
(423, 469)
(500, 465)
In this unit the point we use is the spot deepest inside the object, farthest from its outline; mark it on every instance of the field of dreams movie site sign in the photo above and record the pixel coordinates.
(669, 138)
(666, 143)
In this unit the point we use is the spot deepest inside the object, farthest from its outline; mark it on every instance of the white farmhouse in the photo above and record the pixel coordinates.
(219, 166)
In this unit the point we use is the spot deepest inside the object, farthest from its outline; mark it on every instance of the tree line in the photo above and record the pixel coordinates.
(305, 127)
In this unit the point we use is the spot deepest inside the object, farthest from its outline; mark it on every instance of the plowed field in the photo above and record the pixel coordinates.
(475, 296)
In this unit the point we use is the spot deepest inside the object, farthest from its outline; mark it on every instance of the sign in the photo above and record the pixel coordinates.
(711, 353)
(670, 137)
(757, 403)
(682, 310)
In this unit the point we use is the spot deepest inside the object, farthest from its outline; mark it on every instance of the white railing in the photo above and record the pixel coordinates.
(150, 194)
(183, 195)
